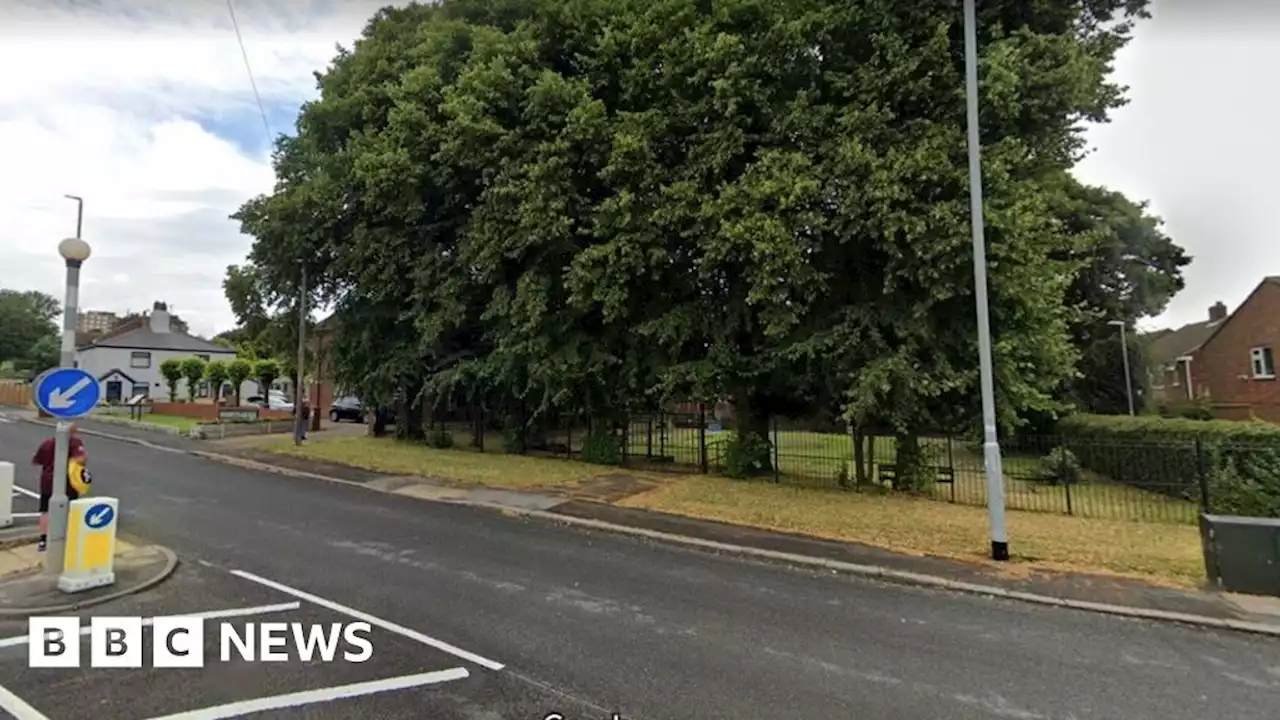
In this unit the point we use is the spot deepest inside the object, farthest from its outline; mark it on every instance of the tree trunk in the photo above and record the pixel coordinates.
(911, 472)
(752, 420)
(859, 464)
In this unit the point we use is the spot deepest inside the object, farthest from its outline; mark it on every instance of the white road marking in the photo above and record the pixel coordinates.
(372, 620)
(25, 491)
(308, 697)
(210, 615)
(17, 707)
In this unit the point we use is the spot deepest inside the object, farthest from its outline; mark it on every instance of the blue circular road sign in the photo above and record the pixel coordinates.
(67, 392)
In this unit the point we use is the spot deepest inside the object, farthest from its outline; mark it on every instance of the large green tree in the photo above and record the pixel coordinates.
(1127, 270)
(589, 204)
(26, 318)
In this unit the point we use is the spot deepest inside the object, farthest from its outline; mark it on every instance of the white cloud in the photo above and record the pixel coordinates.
(1198, 140)
(107, 106)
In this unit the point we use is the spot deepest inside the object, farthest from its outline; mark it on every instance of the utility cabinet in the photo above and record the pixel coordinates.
(1242, 554)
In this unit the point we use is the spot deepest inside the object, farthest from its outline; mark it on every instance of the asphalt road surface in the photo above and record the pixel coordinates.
(544, 619)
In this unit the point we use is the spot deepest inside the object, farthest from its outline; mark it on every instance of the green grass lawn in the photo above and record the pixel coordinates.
(177, 421)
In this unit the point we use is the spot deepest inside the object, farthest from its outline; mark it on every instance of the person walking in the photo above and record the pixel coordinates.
(306, 417)
(45, 458)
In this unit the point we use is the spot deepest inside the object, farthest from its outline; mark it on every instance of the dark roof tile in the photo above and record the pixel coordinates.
(145, 338)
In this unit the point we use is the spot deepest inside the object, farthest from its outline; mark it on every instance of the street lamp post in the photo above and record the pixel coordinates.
(299, 423)
(1124, 351)
(991, 439)
(74, 252)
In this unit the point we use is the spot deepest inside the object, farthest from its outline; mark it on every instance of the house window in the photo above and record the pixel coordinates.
(142, 389)
(140, 360)
(1264, 363)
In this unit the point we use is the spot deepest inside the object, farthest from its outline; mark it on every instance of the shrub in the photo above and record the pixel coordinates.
(746, 455)
(1059, 466)
(1239, 461)
(602, 448)
(193, 371)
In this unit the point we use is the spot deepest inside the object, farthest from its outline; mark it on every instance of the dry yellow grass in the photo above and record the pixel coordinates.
(462, 466)
(1166, 554)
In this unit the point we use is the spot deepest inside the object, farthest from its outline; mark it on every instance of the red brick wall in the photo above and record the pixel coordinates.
(1225, 358)
(204, 411)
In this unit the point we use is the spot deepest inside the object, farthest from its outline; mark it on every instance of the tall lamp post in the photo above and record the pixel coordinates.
(990, 438)
(299, 423)
(74, 252)
(1124, 350)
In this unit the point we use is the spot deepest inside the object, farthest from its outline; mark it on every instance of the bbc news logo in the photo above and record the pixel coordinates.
(179, 642)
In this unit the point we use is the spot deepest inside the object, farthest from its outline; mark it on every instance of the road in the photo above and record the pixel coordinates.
(585, 624)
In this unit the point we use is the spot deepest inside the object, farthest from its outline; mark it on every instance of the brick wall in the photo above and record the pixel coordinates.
(205, 411)
(1224, 366)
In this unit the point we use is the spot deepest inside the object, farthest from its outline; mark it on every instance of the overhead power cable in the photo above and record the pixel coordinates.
(249, 69)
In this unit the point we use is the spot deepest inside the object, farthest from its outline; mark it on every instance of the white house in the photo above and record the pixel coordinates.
(128, 363)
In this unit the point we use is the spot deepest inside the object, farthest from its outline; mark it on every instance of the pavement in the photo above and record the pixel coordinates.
(584, 623)
(25, 591)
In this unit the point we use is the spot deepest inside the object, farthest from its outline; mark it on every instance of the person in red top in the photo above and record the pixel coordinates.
(44, 459)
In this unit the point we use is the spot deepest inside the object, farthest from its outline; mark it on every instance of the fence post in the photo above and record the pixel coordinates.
(648, 438)
(774, 450)
(568, 442)
(702, 438)
(1202, 474)
(626, 435)
(1062, 474)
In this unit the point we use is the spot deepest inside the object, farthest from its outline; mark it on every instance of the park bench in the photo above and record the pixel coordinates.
(943, 475)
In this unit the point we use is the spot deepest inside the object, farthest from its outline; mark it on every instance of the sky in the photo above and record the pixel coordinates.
(144, 109)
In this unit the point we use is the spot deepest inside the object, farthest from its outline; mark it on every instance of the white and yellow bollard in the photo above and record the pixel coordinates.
(91, 544)
(6, 494)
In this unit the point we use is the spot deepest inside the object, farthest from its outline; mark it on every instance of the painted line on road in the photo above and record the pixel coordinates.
(373, 620)
(309, 697)
(25, 491)
(17, 707)
(210, 615)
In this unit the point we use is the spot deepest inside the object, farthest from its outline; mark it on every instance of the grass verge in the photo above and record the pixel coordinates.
(182, 423)
(462, 466)
(1160, 553)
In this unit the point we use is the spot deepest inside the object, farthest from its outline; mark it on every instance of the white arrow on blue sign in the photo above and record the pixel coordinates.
(99, 516)
(67, 392)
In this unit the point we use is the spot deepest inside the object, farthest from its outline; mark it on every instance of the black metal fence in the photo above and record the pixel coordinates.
(1158, 481)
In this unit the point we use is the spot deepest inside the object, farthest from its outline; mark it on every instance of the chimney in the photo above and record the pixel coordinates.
(160, 318)
(1217, 312)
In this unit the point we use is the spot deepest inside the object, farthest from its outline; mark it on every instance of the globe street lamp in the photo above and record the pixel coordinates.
(74, 252)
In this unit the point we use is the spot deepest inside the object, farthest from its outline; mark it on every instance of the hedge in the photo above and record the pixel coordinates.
(1240, 460)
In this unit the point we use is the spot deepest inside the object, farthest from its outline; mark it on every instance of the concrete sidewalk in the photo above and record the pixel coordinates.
(1077, 590)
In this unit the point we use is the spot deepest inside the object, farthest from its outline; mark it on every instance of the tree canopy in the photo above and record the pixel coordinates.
(588, 205)
(1129, 269)
(28, 329)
